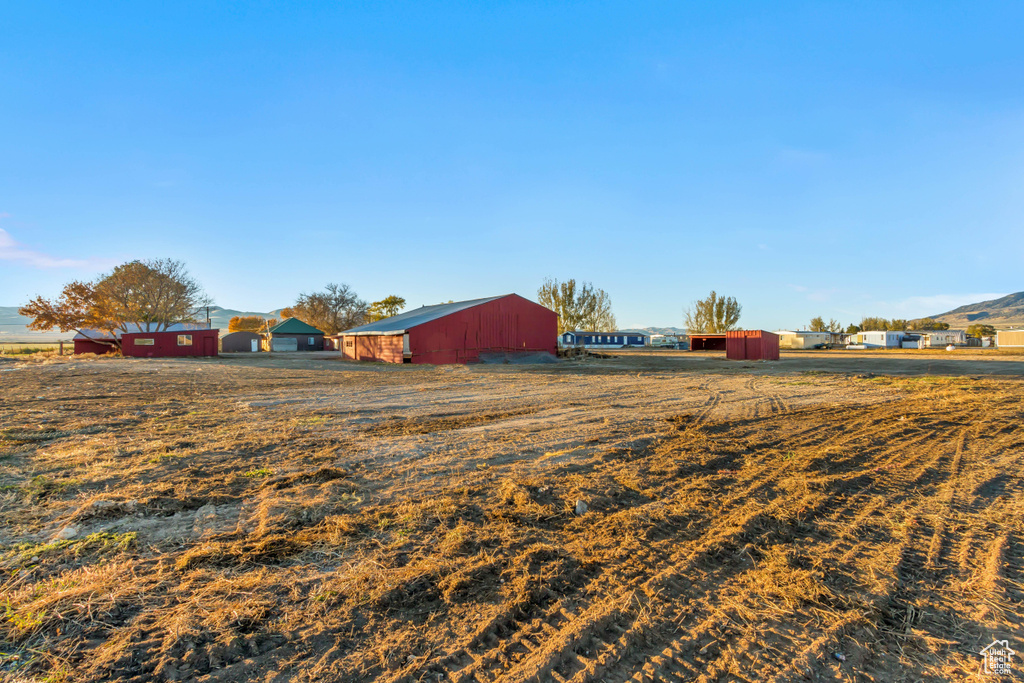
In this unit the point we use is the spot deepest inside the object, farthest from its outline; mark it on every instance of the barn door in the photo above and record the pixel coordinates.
(255, 345)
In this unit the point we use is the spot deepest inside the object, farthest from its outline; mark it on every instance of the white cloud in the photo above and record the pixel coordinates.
(11, 250)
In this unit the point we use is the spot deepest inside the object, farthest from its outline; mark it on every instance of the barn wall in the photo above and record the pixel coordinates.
(165, 344)
(509, 324)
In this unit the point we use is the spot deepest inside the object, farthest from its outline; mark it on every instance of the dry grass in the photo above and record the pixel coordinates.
(280, 522)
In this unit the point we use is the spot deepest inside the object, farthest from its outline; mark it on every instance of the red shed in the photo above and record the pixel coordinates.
(751, 345)
(707, 342)
(170, 344)
(456, 333)
(94, 341)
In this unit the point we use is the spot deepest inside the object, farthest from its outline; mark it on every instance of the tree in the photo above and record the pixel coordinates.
(874, 323)
(981, 330)
(579, 306)
(925, 324)
(818, 325)
(834, 326)
(852, 329)
(333, 310)
(898, 324)
(153, 294)
(250, 323)
(385, 308)
(712, 315)
(75, 311)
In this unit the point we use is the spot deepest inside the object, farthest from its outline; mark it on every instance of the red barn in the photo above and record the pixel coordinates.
(751, 345)
(456, 332)
(99, 342)
(170, 344)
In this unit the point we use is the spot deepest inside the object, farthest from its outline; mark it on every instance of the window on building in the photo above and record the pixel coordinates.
(349, 343)
(146, 341)
(310, 341)
(184, 340)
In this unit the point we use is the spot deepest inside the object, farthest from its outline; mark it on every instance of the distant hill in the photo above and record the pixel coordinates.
(12, 325)
(1007, 311)
(671, 331)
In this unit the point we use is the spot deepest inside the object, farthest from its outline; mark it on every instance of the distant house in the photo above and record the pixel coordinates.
(880, 339)
(458, 332)
(295, 335)
(803, 339)
(101, 342)
(241, 342)
(605, 340)
(942, 338)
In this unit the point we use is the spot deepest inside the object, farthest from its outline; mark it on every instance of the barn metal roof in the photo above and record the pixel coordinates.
(399, 324)
(294, 326)
(136, 328)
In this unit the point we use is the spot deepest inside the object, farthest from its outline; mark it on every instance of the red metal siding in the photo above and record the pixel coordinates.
(752, 345)
(165, 344)
(89, 346)
(508, 324)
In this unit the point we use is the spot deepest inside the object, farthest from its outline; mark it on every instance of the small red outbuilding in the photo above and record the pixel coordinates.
(707, 342)
(751, 345)
(170, 344)
(458, 332)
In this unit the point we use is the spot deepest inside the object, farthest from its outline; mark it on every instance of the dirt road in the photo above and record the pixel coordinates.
(286, 518)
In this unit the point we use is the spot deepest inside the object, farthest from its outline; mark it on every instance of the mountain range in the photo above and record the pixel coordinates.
(1007, 311)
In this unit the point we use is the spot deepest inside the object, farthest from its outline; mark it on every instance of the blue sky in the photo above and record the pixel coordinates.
(841, 159)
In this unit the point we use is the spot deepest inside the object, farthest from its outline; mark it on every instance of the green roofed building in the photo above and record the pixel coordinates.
(295, 335)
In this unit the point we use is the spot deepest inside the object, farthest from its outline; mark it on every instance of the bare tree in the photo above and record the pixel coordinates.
(579, 306)
(712, 315)
(335, 309)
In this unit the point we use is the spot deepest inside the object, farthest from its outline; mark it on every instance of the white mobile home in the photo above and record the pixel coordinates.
(879, 339)
(942, 338)
(802, 339)
(1010, 339)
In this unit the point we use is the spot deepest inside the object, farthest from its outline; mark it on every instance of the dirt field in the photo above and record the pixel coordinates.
(832, 516)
